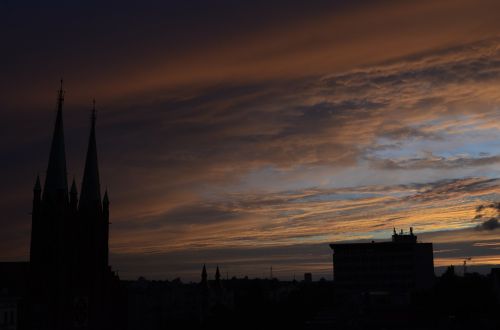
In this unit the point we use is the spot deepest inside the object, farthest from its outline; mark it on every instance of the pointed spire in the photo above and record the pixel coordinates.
(56, 183)
(204, 274)
(37, 193)
(217, 278)
(91, 190)
(105, 199)
(38, 186)
(217, 274)
(73, 191)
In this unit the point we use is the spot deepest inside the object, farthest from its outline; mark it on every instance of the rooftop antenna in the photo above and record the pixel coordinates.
(465, 264)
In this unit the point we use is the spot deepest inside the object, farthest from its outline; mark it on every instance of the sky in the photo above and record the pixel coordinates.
(251, 134)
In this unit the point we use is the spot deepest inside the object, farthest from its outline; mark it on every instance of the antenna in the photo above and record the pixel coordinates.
(465, 264)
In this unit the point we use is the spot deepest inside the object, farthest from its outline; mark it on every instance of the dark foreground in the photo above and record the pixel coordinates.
(470, 302)
(454, 302)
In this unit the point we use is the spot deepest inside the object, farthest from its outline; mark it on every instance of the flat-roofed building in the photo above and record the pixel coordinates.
(400, 265)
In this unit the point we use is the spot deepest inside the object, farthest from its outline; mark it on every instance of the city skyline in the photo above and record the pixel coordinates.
(260, 151)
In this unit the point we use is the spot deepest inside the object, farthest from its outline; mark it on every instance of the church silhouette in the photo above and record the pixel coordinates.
(71, 285)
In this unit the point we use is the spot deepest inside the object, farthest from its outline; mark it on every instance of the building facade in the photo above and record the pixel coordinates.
(401, 265)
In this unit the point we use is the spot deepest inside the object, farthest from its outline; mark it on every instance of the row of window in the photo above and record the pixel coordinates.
(8, 317)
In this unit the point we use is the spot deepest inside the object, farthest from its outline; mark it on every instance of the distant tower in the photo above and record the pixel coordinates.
(217, 274)
(204, 277)
(217, 277)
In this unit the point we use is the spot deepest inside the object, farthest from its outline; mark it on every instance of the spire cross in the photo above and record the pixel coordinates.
(93, 111)
(61, 96)
(90, 195)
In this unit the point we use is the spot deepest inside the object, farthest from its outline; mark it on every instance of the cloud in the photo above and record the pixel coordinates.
(288, 218)
(435, 162)
(490, 224)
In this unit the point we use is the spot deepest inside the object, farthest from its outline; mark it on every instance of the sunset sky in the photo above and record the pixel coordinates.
(251, 134)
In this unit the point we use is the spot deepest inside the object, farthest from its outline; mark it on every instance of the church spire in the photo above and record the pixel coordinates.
(204, 276)
(217, 278)
(37, 193)
(217, 274)
(38, 186)
(56, 183)
(91, 190)
(105, 199)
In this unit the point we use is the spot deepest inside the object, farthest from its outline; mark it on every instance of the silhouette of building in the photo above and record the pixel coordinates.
(400, 265)
(495, 278)
(71, 285)
(13, 290)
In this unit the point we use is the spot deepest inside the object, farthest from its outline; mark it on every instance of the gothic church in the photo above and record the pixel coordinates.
(71, 284)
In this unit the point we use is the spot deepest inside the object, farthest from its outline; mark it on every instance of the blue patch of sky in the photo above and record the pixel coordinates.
(312, 238)
(472, 144)
(483, 148)
(493, 197)
(383, 234)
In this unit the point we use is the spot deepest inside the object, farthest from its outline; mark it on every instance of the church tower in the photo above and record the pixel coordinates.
(93, 210)
(51, 250)
(71, 283)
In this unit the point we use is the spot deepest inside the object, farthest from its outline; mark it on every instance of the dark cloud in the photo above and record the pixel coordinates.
(434, 162)
(477, 61)
(406, 133)
(490, 224)
(184, 216)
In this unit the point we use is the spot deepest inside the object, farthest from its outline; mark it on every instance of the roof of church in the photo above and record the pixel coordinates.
(56, 180)
(91, 189)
